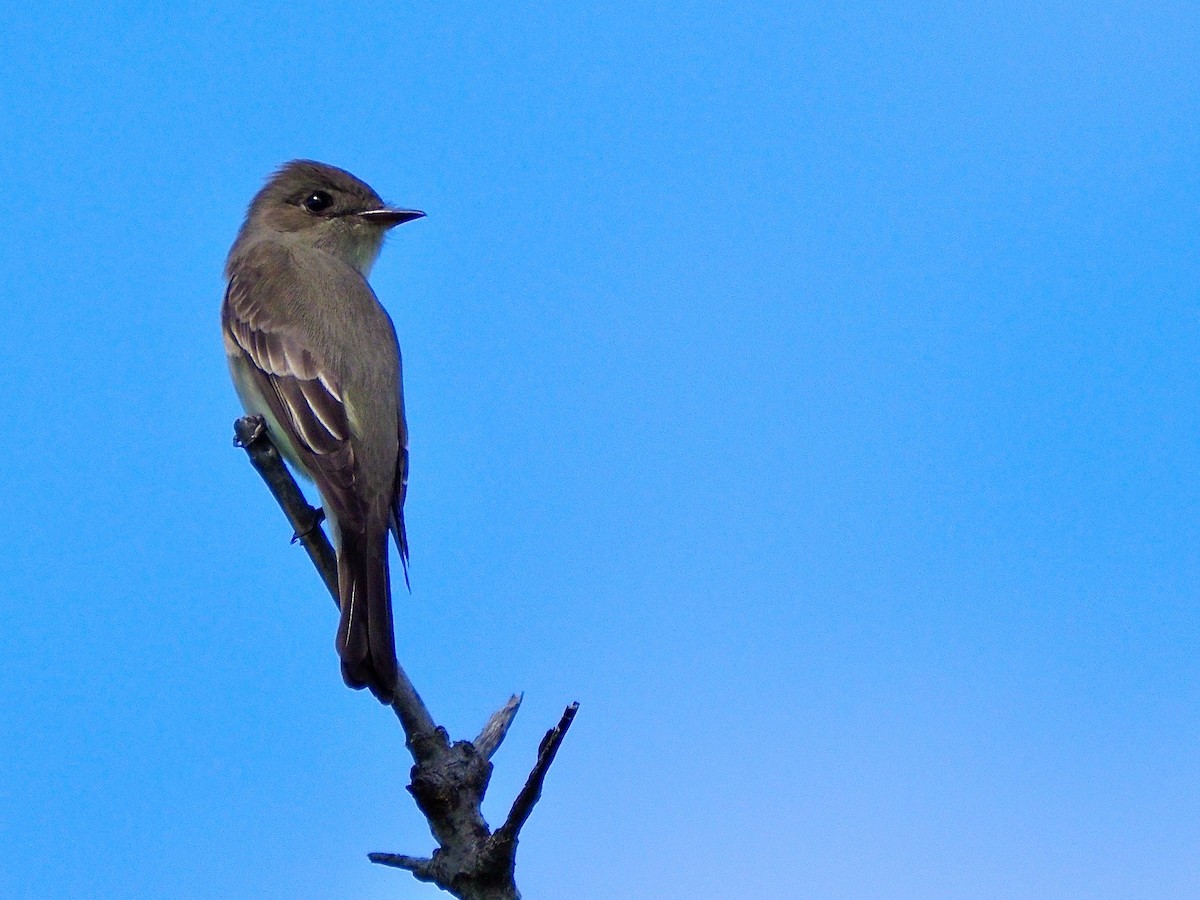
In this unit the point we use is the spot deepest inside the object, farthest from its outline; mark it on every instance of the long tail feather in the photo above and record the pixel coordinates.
(365, 640)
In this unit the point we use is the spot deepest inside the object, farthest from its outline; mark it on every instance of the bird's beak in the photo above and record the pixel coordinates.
(389, 218)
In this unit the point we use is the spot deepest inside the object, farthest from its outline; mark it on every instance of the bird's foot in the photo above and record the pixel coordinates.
(318, 516)
(247, 430)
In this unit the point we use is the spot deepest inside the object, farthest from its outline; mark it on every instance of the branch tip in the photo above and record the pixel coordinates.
(532, 791)
(497, 726)
(399, 861)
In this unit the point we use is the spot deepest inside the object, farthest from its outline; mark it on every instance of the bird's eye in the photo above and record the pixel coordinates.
(317, 201)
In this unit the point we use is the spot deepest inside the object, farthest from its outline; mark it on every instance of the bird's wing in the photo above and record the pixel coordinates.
(300, 392)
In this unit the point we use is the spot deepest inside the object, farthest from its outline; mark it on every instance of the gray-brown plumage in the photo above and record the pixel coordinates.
(312, 351)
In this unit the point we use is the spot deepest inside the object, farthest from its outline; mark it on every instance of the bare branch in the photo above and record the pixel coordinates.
(250, 433)
(532, 792)
(449, 780)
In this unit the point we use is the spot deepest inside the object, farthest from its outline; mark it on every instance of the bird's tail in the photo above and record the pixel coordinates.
(365, 640)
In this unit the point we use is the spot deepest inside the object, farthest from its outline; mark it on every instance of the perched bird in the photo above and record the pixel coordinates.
(313, 352)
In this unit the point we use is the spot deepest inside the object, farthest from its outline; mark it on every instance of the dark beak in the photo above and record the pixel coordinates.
(389, 218)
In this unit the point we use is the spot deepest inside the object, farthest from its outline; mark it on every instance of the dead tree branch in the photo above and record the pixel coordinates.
(449, 779)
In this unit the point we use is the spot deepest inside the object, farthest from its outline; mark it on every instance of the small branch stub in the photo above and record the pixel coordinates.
(496, 729)
(449, 779)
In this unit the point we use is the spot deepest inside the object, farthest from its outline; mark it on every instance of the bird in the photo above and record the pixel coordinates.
(313, 352)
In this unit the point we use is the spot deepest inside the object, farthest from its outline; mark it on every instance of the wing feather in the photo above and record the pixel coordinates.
(302, 395)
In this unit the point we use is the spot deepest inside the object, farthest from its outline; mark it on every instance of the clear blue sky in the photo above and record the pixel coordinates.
(811, 394)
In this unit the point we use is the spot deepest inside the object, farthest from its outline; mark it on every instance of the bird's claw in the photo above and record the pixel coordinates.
(318, 516)
(249, 429)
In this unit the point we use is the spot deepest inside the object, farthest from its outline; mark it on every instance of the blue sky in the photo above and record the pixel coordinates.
(810, 393)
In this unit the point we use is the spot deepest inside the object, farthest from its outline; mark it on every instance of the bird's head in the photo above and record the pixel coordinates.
(326, 207)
